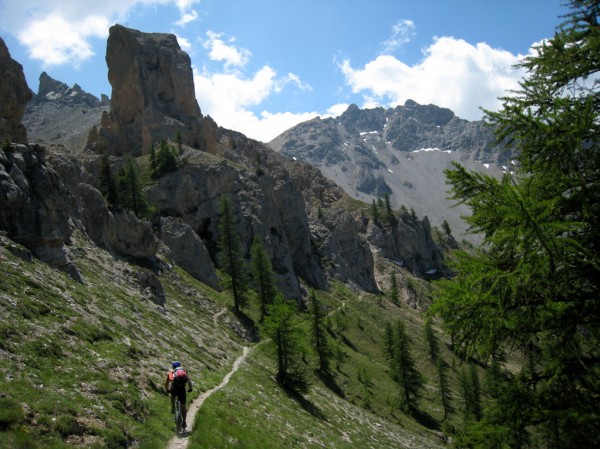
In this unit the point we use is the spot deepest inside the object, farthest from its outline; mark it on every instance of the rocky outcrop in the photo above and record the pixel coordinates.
(152, 93)
(187, 251)
(34, 205)
(14, 95)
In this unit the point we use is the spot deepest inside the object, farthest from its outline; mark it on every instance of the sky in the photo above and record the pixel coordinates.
(262, 66)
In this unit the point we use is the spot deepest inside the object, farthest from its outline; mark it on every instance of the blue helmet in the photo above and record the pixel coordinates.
(176, 364)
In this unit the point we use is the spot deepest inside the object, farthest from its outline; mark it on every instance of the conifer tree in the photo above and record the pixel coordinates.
(320, 341)
(388, 341)
(130, 191)
(281, 326)
(108, 185)
(432, 340)
(394, 297)
(445, 392)
(534, 286)
(471, 393)
(375, 211)
(262, 277)
(404, 371)
(230, 257)
(153, 163)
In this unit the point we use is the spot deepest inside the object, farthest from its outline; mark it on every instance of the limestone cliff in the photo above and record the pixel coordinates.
(14, 95)
(152, 93)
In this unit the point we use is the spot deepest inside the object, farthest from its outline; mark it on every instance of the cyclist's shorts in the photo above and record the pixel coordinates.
(180, 393)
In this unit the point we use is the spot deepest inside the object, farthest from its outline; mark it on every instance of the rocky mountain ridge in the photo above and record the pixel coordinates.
(302, 218)
(401, 152)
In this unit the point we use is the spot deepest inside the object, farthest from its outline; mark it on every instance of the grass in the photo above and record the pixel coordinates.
(83, 365)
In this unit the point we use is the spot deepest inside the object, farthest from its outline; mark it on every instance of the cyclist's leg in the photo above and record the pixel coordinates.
(172, 401)
(182, 399)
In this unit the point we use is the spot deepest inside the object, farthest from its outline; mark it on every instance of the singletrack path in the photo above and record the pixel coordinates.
(181, 441)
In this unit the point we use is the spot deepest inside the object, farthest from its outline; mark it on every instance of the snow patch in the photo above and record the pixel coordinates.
(368, 132)
(486, 165)
(431, 149)
(390, 171)
(432, 271)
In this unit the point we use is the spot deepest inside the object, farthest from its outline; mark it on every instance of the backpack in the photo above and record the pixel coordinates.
(180, 377)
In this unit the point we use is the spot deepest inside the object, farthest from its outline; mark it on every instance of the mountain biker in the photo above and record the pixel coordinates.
(177, 379)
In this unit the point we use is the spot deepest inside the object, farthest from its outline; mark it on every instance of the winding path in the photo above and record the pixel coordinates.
(181, 441)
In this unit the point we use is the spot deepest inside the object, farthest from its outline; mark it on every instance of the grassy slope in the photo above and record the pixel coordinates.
(83, 366)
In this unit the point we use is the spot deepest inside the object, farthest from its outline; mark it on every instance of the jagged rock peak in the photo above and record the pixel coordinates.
(54, 90)
(153, 93)
(14, 95)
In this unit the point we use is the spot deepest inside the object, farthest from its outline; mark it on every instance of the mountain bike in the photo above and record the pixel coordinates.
(178, 417)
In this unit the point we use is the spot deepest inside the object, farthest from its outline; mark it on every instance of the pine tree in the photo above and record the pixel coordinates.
(432, 340)
(262, 276)
(153, 163)
(471, 394)
(534, 286)
(108, 185)
(281, 326)
(389, 213)
(130, 191)
(230, 257)
(445, 392)
(320, 341)
(404, 371)
(179, 140)
(388, 341)
(446, 228)
(166, 160)
(375, 211)
(394, 297)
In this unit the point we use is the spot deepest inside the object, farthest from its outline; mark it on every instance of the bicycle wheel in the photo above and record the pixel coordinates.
(178, 417)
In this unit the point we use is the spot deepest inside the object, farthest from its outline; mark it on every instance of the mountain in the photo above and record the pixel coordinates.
(97, 297)
(401, 152)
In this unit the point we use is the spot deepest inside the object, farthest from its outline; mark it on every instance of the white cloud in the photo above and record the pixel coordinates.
(187, 17)
(228, 97)
(402, 33)
(61, 31)
(219, 50)
(452, 74)
(184, 43)
(336, 110)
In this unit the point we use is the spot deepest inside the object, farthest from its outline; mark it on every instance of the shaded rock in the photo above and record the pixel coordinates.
(14, 95)
(152, 287)
(34, 205)
(188, 251)
(153, 94)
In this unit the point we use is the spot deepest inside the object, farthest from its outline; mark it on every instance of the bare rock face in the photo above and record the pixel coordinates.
(188, 251)
(152, 93)
(34, 205)
(14, 95)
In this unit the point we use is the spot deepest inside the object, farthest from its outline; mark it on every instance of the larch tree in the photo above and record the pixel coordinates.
(534, 284)
(319, 339)
(230, 257)
(262, 277)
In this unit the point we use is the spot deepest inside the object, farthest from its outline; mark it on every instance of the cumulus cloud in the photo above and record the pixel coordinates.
(229, 96)
(453, 73)
(227, 52)
(61, 31)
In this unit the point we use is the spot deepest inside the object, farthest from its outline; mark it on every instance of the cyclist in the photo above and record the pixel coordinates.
(177, 379)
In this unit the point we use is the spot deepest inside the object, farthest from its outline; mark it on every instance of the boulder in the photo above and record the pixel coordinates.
(188, 251)
(153, 94)
(14, 95)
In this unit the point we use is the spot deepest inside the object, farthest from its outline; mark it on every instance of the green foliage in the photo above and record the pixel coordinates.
(282, 326)
(375, 211)
(445, 391)
(446, 228)
(230, 257)
(432, 340)
(470, 390)
(404, 371)
(108, 185)
(534, 286)
(129, 187)
(394, 296)
(164, 161)
(11, 413)
(319, 339)
(262, 277)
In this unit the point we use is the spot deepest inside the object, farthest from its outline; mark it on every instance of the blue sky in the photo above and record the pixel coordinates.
(261, 66)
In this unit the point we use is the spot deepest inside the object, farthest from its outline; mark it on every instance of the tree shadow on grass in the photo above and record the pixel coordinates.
(305, 403)
(248, 324)
(425, 419)
(329, 381)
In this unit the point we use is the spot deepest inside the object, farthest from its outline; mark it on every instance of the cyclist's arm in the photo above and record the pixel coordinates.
(167, 382)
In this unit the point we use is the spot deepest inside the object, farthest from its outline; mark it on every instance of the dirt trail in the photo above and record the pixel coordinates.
(181, 441)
